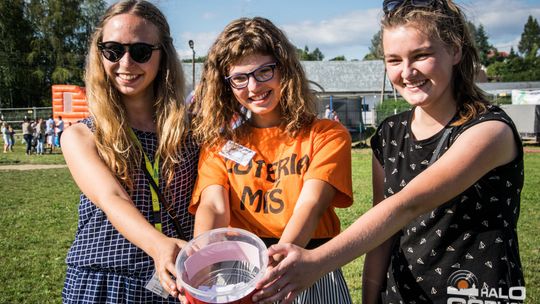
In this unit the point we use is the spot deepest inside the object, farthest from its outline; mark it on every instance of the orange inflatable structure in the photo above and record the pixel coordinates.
(69, 101)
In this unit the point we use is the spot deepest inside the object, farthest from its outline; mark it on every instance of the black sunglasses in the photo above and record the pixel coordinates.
(114, 51)
(390, 6)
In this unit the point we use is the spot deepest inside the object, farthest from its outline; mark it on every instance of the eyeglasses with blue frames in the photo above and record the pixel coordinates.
(390, 6)
(261, 74)
(114, 51)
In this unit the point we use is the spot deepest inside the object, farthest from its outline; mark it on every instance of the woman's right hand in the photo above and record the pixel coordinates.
(164, 254)
(297, 271)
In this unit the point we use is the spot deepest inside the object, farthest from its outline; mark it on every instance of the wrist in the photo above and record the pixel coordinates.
(320, 260)
(153, 248)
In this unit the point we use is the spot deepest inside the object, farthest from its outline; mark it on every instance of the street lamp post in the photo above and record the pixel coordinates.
(191, 46)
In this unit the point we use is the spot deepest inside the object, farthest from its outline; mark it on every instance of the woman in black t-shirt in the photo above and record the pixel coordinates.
(446, 205)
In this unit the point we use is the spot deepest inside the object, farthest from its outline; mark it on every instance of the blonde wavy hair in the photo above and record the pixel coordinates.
(445, 21)
(215, 104)
(111, 124)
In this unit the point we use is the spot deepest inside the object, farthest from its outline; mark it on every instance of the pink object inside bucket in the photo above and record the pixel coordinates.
(222, 266)
(219, 252)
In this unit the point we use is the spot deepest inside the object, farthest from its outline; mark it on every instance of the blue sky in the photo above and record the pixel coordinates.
(336, 27)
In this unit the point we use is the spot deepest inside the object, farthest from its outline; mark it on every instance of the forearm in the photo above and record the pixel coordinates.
(367, 232)
(213, 210)
(129, 221)
(314, 200)
(300, 228)
(207, 219)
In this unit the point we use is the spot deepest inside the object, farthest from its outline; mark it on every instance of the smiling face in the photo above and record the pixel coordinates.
(132, 79)
(419, 67)
(261, 98)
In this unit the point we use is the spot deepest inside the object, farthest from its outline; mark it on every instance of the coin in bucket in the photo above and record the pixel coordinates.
(222, 266)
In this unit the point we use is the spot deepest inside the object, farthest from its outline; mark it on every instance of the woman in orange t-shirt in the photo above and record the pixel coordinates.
(278, 171)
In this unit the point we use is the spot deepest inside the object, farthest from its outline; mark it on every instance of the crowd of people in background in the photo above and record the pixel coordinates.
(38, 135)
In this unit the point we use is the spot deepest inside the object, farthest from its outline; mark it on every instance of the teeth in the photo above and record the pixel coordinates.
(127, 76)
(415, 84)
(259, 97)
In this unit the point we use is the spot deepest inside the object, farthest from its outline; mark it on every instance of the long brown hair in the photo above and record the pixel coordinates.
(109, 114)
(215, 104)
(445, 21)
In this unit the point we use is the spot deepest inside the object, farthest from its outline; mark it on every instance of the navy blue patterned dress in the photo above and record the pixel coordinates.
(469, 243)
(104, 267)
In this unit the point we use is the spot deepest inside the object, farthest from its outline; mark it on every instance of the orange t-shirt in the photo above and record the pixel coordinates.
(263, 194)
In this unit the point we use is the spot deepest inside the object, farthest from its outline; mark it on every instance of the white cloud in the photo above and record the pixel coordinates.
(351, 32)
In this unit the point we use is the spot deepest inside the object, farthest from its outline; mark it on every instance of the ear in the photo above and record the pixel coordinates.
(457, 53)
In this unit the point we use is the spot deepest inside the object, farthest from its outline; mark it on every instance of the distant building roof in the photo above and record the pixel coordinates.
(329, 76)
(359, 77)
(347, 76)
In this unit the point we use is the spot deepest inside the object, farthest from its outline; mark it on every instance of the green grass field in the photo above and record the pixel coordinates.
(39, 218)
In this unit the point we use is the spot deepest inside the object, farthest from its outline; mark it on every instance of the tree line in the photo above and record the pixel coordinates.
(43, 42)
(520, 65)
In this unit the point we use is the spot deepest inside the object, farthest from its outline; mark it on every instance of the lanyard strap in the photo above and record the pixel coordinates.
(170, 210)
(154, 176)
(157, 195)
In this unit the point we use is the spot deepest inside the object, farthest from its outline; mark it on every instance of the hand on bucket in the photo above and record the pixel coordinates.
(164, 256)
(181, 293)
(295, 272)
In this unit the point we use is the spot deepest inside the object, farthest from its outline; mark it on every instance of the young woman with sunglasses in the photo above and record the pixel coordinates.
(138, 124)
(440, 228)
(268, 165)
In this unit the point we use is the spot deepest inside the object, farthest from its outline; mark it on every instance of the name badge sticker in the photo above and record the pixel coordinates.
(155, 286)
(237, 153)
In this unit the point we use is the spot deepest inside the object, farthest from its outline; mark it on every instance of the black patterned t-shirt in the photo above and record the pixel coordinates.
(467, 242)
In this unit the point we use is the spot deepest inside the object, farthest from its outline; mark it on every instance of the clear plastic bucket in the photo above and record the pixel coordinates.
(222, 266)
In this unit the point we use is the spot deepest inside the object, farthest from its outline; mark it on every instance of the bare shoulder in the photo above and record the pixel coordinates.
(495, 131)
(488, 137)
(78, 132)
(77, 137)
